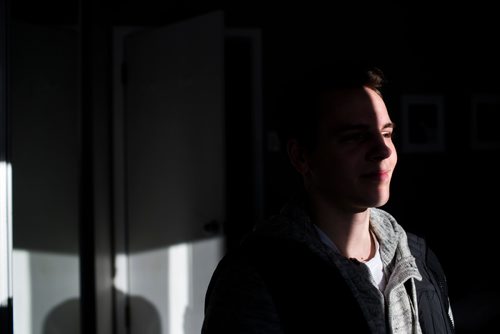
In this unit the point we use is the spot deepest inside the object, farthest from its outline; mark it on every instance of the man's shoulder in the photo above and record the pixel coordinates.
(427, 261)
(433, 275)
(417, 244)
(420, 250)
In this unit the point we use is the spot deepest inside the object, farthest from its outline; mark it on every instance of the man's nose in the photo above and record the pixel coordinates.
(380, 150)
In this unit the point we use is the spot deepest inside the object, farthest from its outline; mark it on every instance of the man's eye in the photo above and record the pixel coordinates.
(387, 134)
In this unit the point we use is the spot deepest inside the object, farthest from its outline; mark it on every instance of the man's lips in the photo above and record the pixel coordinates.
(378, 175)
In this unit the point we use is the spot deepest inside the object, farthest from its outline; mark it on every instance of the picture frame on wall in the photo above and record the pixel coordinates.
(422, 119)
(485, 110)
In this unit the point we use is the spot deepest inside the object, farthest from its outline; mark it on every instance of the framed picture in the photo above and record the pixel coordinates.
(422, 123)
(485, 119)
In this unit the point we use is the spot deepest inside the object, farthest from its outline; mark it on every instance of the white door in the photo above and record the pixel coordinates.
(174, 156)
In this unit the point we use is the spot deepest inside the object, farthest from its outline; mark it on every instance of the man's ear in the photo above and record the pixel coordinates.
(298, 157)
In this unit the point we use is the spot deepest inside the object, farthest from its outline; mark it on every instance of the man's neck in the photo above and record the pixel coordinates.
(349, 230)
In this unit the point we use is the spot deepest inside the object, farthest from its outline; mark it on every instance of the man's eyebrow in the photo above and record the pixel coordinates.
(389, 125)
(355, 127)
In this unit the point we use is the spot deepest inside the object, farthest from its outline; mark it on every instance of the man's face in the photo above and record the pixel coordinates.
(352, 164)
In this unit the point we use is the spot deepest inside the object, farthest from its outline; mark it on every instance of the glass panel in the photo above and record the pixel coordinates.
(45, 155)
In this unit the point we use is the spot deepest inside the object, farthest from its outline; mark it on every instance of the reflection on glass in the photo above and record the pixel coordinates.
(179, 285)
(44, 96)
(168, 285)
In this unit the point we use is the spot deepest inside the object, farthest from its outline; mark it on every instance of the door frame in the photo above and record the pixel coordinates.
(6, 248)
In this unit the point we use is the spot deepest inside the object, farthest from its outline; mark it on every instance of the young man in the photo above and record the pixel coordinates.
(332, 261)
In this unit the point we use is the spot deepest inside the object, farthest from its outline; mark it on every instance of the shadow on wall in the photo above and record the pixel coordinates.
(65, 317)
(477, 311)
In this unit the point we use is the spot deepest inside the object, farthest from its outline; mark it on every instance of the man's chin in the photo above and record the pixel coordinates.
(380, 200)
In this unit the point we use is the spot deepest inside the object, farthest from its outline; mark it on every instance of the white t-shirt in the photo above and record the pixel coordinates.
(377, 268)
(375, 264)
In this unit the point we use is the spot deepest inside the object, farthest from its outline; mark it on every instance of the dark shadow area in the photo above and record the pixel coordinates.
(6, 318)
(145, 317)
(65, 317)
(475, 311)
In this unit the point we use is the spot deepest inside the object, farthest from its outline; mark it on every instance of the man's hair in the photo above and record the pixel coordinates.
(300, 108)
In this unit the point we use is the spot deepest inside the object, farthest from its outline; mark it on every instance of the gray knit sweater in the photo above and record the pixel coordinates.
(284, 279)
(394, 310)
